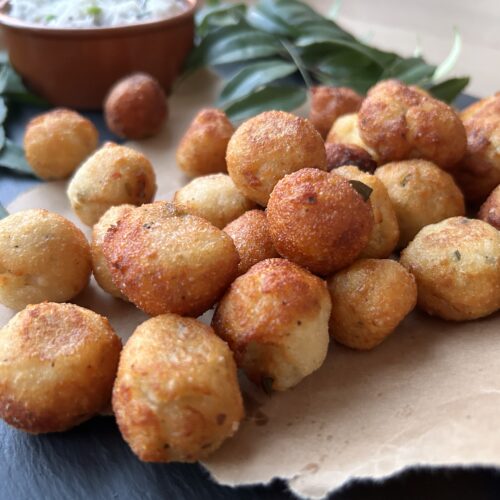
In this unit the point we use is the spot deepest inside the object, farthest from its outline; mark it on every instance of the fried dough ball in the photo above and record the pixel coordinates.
(338, 155)
(58, 365)
(490, 209)
(479, 171)
(202, 149)
(57, 142)
(250, 235)
(43, 256)
(318, 220)
(457, 267)
(421, 194)
(102, 273)
(269, 146)
(176, 396)
(385, 232)
(369, 300)
(136, 107)
(166, 261)
(275, 319)
(114, 175)
(213, 197)
(328, 103)
(401, 122)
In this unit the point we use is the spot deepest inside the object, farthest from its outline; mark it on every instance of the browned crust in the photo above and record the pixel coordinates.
(338, 155)
(490, 209)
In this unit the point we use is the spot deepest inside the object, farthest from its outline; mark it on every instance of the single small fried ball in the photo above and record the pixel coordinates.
(43, 256)
(113, 175)
(213, 197)
(338, 155)
(176, 396)
(479, 171)
(457, 267)
(401, 122)
(328, 103)
(56, 142)
(385, 232)
(58, 365)
(369, 300)
(269, 146)
(202, 149)
(136, 107)
(421, 194)
(250, 235)
(490, 209)
(318, 220)
(165, 261)
(275, 320)
(100, 267)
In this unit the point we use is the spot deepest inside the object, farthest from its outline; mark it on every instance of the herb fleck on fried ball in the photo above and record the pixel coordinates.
(490, 209)
(176, 396)
(401, 122)
(338, 155)
(136, 107)
(269, 146)
(318, 220)
(202, 150)
(421, 194)
(275, 319)
(213, 197)
(114, 175)
(57, 142)
(369, 300)
(58, 365)
(43, 256)
(457, 267)
(166, 261)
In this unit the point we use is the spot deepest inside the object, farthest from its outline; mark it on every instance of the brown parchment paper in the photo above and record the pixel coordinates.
(430, 394)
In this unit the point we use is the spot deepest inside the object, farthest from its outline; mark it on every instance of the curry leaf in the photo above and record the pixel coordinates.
(3, 212)
(449, 90)
(12, 157)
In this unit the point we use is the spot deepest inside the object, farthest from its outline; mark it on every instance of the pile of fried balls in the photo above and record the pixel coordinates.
(299, 232)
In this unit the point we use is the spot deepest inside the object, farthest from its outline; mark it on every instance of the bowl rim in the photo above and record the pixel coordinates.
(10, 22)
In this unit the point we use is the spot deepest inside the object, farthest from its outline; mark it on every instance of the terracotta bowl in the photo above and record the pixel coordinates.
(76, 67)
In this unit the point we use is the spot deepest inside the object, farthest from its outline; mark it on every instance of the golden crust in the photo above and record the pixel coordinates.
(399, 122)
(338, 155)
(275, 319)
(269, 146)
(165, 261)
(176, 396)
(457, 267)
(57, 142)
(43, 256)
(202, 149)
(490, 209)
(250, 235)
(369, 300)
(317, 220)
(57, 367)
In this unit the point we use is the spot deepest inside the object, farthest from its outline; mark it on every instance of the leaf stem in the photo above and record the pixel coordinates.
(298, 62)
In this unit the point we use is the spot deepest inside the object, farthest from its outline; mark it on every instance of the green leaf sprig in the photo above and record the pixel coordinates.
(271, 52)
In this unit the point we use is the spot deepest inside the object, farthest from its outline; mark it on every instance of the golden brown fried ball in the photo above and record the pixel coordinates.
(318, 220)
(385, 232)
(43, 256)
(479, 171)
(369, 300)
(328, 103)
(100, 267)
(250, 235)
(490, 209)
(269, 146)
(114, 175)
(457, 267)
(400, 122)
(166, 261)
(338, 155)
(58, 365)
(275, 319)
(202, 150)
(421, 194)
(57, 142)
(213, 197)
(176, 396)
(136, 107)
